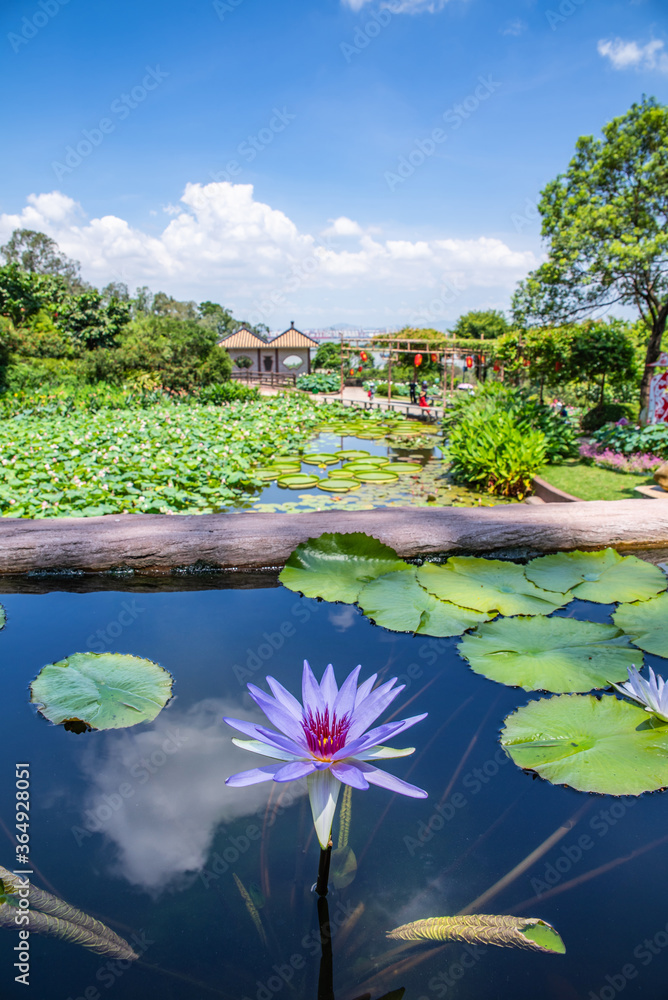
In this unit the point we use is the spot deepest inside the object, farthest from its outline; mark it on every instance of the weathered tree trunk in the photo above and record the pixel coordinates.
(652, 355)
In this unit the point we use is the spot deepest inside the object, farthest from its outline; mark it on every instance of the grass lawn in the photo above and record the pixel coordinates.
(589, 482)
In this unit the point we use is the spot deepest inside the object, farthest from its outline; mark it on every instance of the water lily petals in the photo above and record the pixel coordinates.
(323, 791)
(373, 706)
(295, 770)
(383, 753)
(328, 686)
(253, 777)
(384, 780)
(345, 701)
(350, 775)
(278, 715)
(364, 690)
(255, 746)
(375, 736)
(265, 736)
(286, 699)
(311, 696)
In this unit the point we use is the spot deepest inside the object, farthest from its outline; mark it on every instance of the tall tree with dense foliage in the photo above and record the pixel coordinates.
(481, 324)
(606, 224)
(37, 253)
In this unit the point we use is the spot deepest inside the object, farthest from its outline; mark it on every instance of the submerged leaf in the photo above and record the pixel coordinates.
(595, 745)
(337, 566)
(603, 577)
(101, 691)
(480, 928)
(397, 601)
(646, 624)
(2, 617)
(343, 867)
(549, 654)
(488, 585)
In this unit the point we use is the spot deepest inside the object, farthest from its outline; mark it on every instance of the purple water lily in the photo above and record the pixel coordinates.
(325, 740)
(652, 694)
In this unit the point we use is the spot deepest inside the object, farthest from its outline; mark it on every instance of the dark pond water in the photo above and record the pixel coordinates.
(138, 828)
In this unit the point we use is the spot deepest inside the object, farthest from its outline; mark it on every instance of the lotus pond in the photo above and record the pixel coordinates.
(210, 885)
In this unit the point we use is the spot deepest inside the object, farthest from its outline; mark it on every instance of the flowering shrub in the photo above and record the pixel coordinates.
(629, 439)
(638, 462)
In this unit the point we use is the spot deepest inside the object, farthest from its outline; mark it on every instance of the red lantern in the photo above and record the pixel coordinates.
(364, 356)
(417, 360)
(526, 362)
(434, 358)
(359, 369)
(469, 362)
(497, 366)
(557, 366)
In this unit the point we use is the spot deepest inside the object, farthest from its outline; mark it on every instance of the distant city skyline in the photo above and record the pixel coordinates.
(370, 162)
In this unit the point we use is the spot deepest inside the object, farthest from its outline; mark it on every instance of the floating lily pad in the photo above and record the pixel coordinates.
(338, 485)
(604, 577)
(320, 458)
(549, 654)
(484, 929)
(375, 476)
(489, 585)
(298, 481)
(402, 468)
(101, 691)
(337, 566)
(338, 474)
(595, 745)
(2, 617)
(646, 624)
(268, 472)
(349, 454)
(364, 466)
(398, 602)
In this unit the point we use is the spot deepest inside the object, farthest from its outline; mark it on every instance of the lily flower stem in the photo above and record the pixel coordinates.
(326, 976)
(323, 871)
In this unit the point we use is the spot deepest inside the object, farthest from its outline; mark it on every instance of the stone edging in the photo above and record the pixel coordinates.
(158, 543)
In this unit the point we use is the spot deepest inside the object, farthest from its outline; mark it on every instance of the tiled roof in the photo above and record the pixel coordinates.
(293, 338)
(242, 338)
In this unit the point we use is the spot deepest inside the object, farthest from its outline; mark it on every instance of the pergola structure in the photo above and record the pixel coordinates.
(393, 347)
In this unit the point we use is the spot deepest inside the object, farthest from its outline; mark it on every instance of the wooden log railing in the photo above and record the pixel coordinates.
(277, 379)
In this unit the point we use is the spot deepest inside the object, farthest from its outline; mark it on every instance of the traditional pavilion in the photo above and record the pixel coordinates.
(290, 352)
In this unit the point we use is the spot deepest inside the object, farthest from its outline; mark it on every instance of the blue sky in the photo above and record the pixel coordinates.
(282, 158)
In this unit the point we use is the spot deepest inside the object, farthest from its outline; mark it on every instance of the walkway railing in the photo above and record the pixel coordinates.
(279, 379)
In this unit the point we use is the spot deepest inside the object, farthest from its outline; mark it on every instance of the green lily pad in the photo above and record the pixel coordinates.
(351, 453)
(337, 566)
(298, 481)
(549, 654)
(375, 476)
(3, 618)
(489, 585)
(397, 601)
(101, 691)
(338, 474)
(402, 468)
(268, 472)
(603, 577)
(338, 485)
(320, 458)
(646, 624)
(593, 744)
(360, 466)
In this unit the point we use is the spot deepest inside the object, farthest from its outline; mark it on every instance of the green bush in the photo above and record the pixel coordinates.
(319, 382)
(227, 392)
(630, 439)
(606, 413)
(34, 374)
(493, 451)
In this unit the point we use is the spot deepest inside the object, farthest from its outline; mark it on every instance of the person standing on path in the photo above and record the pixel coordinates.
(412, 385)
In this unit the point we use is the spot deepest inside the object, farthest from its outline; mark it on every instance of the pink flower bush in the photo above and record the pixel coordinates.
(639, 462)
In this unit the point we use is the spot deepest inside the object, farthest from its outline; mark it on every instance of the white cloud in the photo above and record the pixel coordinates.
(516, 27)
(625, 55)
(402, 6)
(220, 243)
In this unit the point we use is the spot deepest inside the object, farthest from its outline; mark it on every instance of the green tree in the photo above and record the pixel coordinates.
(605, 222)
(601, 351)
(24, 293)
(37, 253)
(481, 324)
(89, 321)
(328, 354)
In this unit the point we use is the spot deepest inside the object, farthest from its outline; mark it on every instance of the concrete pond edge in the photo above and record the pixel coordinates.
(159, 544)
